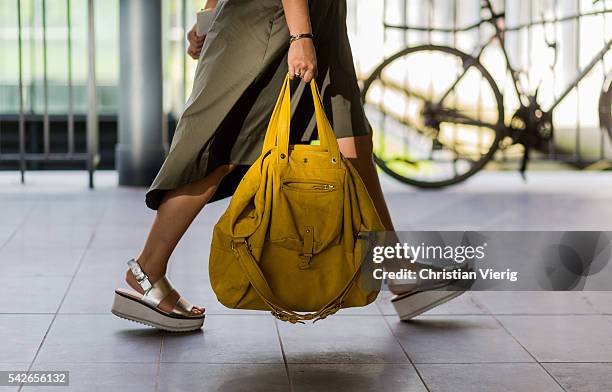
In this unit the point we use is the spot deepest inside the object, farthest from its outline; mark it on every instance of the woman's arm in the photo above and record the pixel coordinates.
(195, 41)
(302, 57)
(210, 4)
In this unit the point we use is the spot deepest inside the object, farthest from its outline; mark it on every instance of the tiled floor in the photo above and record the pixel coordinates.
(63, 248)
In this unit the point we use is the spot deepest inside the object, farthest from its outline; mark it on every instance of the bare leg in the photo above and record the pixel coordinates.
(177, 210)
(359, 151)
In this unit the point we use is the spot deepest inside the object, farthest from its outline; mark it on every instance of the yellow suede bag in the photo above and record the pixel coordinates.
(293, 236)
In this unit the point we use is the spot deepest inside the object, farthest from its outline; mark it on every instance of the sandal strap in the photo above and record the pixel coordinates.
(183, 307)
(155, 293)
(141, 277)
(161, 289)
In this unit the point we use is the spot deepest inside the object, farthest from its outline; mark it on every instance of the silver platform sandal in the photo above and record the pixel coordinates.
(426, 295)
(143, 308)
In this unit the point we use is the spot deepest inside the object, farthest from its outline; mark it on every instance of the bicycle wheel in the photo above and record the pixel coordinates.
(437, 115)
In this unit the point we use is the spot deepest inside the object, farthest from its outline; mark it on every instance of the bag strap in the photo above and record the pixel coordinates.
(270, 138)
(278, 131)
(279, 310)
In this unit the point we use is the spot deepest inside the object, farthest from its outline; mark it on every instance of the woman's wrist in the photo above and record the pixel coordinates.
(299, 36)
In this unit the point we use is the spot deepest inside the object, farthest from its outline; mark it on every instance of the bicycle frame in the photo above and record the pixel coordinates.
(499, 36)
(598, 57)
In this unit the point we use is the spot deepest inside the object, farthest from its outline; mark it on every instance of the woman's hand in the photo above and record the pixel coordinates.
(302, 55)
(195, 43)
(302, 60)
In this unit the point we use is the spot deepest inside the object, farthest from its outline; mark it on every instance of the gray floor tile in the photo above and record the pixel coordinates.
(548, 212)
(86, 377)
(130, 237)
(59, 221)
(226, 339)
(21, 335)
(14, 210)
(5, 233)
(190, 261)
(563, 338)
(341, 339)
(226, 378)
(111, 257)
(515, 377)
(189, 271)
(355, 377)
(99, 338)
(92, 293)
(127, 210)
(459, 214)
(51, 237)
(32, 294)
(601, 301)
(457, 339)
(75, 211)
(27, 262)
(582, 377)
(198, 238)
(538, 302)
(211, 213)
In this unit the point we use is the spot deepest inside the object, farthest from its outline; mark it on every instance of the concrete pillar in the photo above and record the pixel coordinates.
(140, 151)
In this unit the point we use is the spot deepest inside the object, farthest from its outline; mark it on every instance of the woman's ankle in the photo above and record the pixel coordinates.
(153, 270)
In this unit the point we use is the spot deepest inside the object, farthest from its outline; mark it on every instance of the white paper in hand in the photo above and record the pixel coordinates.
(204, 21)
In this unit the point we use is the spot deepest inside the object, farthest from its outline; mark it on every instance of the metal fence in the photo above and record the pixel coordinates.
(59, 79)
(69, 153)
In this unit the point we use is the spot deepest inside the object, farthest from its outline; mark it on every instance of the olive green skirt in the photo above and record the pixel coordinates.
(238, 78)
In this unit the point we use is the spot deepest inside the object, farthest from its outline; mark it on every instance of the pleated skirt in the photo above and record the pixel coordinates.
(237, 80)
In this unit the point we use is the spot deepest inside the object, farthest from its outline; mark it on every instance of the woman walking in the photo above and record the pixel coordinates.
(242, 63)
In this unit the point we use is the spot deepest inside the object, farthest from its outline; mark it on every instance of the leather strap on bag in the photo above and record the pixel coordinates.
(278, 130)
(279, 310)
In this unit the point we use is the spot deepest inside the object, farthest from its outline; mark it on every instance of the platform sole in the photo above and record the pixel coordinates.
(133, 310)
(409, 306)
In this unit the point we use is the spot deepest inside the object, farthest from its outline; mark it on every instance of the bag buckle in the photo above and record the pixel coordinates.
(305, 261)
(307, 248)
(233, 242)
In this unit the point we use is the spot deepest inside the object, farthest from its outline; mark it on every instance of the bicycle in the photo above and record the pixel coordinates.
(451, 126)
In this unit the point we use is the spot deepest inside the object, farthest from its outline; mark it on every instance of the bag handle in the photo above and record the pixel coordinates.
(278, 130)
(270, 139)
(279, 310)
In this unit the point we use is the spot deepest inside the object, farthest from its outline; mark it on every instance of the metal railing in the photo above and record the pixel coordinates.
(91, 155)
(51, 102)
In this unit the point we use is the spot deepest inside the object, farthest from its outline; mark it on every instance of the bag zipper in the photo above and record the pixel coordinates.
(308, 186)
(325, 187)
